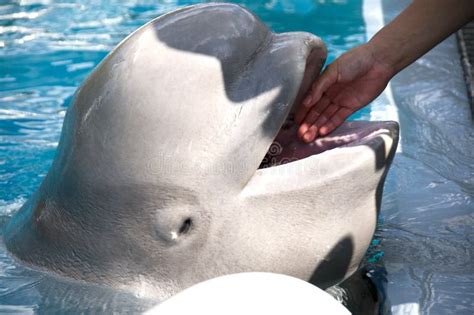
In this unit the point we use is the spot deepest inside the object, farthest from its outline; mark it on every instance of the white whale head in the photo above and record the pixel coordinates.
(166, 174)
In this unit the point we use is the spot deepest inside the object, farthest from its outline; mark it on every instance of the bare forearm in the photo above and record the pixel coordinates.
(421, 26)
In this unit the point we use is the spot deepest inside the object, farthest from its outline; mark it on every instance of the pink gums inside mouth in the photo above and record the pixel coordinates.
(287, 147)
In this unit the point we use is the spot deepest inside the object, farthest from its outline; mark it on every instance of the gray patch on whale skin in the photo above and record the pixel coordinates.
(156, 183)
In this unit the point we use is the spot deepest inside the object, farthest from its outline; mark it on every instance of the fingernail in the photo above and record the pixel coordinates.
(303, 128)
(307, 137)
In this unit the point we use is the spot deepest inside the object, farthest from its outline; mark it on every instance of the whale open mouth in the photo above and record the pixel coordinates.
(287, 147)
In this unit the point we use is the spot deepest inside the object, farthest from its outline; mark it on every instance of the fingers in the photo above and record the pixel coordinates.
(324, 108)
(327, 78)
(335, 121)
(312, 115)
(314, 127)
(301, 114)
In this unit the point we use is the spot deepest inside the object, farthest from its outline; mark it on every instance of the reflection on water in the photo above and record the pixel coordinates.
(425, 232)
(23, 290)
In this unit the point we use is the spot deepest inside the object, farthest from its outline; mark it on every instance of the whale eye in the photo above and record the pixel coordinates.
(174, 225)
(185, 227)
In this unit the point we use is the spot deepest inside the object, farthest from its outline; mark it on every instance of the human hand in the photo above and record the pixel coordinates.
(348, 84)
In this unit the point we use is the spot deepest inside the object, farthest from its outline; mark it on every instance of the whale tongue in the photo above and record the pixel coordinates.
(287, 147)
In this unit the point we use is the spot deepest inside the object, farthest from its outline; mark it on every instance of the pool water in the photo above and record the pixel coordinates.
(422, 250)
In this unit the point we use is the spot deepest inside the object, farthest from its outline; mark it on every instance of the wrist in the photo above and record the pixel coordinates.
(384, 57)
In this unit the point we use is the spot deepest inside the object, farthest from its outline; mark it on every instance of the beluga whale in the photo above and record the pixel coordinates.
(178, 162)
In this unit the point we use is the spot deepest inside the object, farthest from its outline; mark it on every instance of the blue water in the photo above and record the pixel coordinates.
(47, 48)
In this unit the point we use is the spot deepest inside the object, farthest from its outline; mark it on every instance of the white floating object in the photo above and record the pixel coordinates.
(251, 293)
